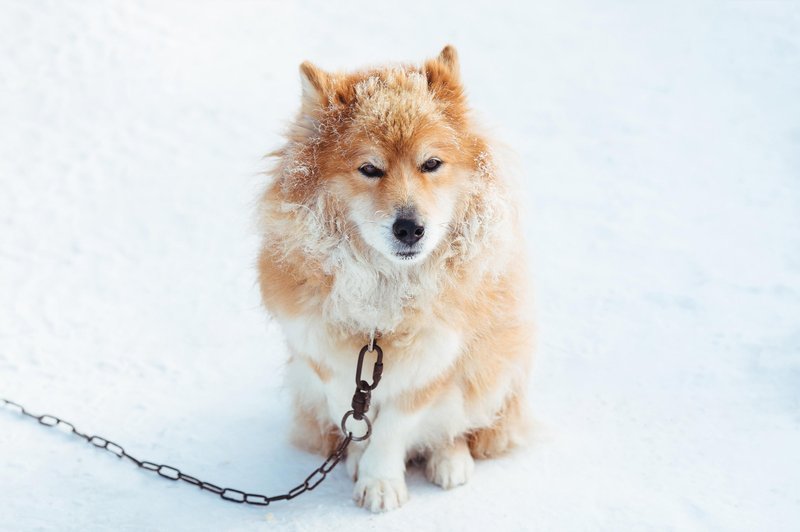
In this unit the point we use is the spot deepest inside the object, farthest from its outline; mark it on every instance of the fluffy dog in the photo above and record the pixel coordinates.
(388, 214)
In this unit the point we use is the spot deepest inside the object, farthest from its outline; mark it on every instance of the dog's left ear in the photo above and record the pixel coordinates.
(322, 89)
(443, 72)
(316, 84)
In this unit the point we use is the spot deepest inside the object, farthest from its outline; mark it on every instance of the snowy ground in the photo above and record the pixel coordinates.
(661, 151)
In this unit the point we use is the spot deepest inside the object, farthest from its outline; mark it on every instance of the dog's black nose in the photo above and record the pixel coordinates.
(407, 231)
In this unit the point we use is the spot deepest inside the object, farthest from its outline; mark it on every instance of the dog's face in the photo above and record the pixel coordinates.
(401, 196)
(392, 146)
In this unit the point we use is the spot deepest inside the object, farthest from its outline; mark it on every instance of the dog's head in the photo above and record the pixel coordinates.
(391, 145)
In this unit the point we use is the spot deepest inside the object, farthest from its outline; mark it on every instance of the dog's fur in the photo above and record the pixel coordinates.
(452, 320)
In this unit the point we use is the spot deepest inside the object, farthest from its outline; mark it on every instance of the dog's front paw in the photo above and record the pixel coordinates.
(379, 494)
(450, 467)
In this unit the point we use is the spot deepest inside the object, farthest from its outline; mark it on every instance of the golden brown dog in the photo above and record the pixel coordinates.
(389, 214)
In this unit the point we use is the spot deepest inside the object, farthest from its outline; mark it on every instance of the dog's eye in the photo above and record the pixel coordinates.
(431, 165)
(370, 170)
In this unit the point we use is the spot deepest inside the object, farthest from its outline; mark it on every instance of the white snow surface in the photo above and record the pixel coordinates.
(659, 147)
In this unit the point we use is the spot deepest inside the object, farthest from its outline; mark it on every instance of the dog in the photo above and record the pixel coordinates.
(388, 215)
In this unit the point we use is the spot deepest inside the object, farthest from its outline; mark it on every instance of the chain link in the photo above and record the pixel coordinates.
(228, 494)
(173, 473)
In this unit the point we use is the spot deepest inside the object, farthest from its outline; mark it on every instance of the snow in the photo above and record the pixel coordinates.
(660, 149)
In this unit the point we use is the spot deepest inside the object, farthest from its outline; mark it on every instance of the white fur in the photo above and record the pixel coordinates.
(307, 336)
(379, 466)
(450, 465)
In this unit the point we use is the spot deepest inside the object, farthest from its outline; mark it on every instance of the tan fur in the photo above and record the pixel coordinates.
(510, 429)
(473, 282)
(323, 372)
(416, 398)
(312, 435)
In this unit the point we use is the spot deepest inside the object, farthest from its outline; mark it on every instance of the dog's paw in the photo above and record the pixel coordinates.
(450, 467)
(379, 494)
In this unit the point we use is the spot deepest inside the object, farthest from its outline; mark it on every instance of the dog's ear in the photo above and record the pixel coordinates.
(321, 89)
(449, 58)
(443, 72)
(316, 85)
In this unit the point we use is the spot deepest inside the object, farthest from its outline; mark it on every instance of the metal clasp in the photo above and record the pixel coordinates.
(363, 393)
(377, 370)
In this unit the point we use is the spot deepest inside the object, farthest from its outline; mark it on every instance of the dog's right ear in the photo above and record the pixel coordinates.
(444, 79)
(316, 85)
(443, 71)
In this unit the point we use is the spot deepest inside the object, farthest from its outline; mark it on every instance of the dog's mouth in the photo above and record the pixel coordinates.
(407, 255)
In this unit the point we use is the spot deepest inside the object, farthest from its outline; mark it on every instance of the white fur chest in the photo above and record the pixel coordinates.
(367, 297)
(434, 349)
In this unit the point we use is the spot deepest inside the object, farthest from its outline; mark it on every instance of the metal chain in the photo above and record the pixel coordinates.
(230, 494)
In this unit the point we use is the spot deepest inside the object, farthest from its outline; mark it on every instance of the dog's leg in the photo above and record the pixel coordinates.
(450, 465)
(381, 484)
(510, 429)
(354, 452)
(311, 434)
